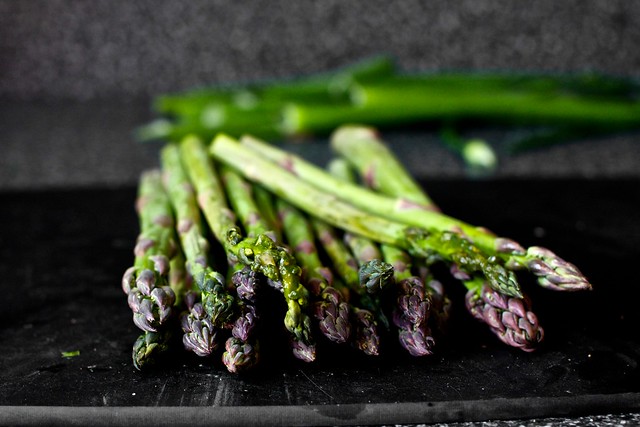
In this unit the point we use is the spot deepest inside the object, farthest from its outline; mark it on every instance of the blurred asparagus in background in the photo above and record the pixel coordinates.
(549, 108)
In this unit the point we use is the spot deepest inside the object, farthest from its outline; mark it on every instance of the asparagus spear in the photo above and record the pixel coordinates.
(217, 303)
(370, 155)
(260, 252)
(440, 302)
(329, 309)
(404, 99)
(365, 333)
(266, 206)
(552, 271)
(150, 347)
(242, 350)
(412, 303)
(319, 87)
(431, 242)
(146, 283)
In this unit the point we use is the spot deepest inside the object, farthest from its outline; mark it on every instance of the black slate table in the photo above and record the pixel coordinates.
(62, 254)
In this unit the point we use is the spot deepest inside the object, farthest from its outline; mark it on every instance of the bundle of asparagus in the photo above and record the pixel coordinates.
(551, 108)
(349, 250)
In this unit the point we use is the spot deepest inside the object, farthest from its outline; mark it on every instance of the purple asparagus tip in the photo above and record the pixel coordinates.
(376, 275)
(239, 355)
(555, 273)
(152, 305)
(413, 304)
(246, 284)
(303, 351)
(366, 332)
(245, 323)
(418, 342)
(333, 315)
(199, 332)
(509, 318)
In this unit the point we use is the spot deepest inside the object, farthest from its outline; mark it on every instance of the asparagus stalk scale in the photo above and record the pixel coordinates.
(146, 283)
(260, 252)
(419, 241)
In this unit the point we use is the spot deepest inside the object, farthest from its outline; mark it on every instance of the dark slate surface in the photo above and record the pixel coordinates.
(63, 252)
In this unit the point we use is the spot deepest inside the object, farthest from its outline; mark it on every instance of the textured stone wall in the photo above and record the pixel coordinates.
(86, 49)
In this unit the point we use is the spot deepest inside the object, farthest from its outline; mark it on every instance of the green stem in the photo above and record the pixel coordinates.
(241, 198)
(512, 106)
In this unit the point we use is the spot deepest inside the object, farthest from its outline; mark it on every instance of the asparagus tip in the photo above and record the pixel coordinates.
(555, 273)
(375, 275)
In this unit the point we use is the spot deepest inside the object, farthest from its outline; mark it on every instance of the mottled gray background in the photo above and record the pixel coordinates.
(76, 76)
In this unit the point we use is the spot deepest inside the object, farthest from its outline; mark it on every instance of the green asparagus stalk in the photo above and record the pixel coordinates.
(243, 203)
(365, 326)
(511, 105)
(440, 301)
(146, 283)
(315, 88)
(421, 298)
(255, 107)
(427, 235)
(239, 355)
(363, 147)
(266, 205)
(242, 350)
(329, 308)
(260, 253)
(374, 274)
(180, 281)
